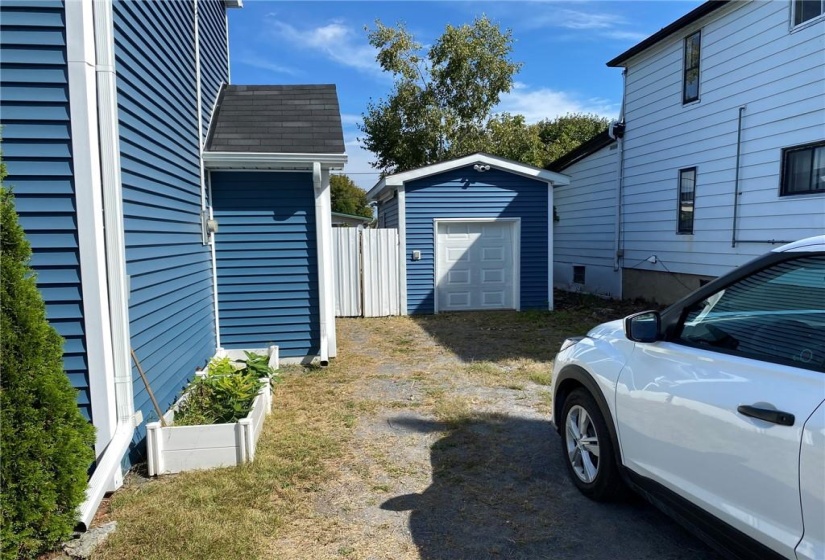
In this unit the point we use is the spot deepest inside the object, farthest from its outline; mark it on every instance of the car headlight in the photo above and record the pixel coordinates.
(570, 342)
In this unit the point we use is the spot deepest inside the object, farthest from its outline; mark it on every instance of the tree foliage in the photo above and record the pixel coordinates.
(442, 99)
(347, 197)
(45, 442)
(568, 132)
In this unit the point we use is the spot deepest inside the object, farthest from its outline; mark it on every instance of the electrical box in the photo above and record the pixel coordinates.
(416, 255)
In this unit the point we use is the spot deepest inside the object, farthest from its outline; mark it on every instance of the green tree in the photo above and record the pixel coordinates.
(442, 99)
(507, 136)
(45, 442)
(568, 132)
(347, 197)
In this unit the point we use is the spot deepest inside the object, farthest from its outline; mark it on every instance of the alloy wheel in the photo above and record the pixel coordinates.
(582, 444)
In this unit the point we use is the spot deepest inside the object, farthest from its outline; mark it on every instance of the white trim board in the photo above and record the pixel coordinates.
(80, 51)
(402, 250)
(254, 160)
(516, 236)
(479, 158)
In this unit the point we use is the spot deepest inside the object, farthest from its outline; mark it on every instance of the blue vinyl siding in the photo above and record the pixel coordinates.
(388, 213)
(267, 261)
(465, 193)
(213, 55)
(171, 300)
(36, 133)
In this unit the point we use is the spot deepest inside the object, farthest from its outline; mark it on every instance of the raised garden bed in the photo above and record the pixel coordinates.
(172, 449)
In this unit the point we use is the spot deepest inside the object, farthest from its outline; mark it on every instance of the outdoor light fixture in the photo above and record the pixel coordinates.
(481, 168)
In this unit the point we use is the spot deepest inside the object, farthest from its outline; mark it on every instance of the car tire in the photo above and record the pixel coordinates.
(588, 450)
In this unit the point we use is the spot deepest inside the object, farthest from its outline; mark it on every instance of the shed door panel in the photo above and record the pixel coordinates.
(475, 266)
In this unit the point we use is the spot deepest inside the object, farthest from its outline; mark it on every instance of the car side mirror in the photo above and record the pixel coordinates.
(643, 327)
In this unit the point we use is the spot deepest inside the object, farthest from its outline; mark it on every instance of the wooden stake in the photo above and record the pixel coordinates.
(148, 388)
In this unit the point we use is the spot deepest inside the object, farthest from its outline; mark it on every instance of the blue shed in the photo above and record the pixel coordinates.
(268, 156)
(475, 234)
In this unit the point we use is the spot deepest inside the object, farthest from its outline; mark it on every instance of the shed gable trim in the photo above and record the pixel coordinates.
(496, 162)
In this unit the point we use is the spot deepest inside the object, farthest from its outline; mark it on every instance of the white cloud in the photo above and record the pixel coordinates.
(546, 103)
(348, 119)
(335, 41)
(256, 61)
(591, 24)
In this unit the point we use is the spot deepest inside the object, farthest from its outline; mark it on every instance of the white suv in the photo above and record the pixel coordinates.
(713, 409)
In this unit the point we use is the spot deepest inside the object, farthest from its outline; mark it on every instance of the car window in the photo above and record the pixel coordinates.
(776, 314)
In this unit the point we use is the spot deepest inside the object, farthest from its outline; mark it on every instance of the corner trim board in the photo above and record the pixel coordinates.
(402, 250)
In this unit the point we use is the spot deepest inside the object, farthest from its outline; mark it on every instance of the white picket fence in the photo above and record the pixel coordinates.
(366, 272)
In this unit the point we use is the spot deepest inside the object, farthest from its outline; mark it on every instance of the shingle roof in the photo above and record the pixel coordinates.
(299, 119)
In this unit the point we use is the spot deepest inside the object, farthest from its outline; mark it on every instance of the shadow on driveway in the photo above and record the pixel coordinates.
(500, 491)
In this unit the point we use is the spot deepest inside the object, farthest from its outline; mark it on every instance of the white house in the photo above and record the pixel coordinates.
(719, 155)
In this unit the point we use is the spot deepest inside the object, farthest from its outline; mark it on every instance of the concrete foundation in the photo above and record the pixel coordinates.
(659, 287)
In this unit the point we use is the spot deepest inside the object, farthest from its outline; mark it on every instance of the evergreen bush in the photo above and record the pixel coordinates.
(45, 442)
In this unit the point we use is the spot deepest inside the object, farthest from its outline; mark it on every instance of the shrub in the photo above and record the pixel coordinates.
(45, 443)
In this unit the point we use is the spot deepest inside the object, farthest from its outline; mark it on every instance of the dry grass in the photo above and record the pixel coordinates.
(297, 500)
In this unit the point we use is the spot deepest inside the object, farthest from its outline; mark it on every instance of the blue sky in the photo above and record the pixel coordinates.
(563, 45)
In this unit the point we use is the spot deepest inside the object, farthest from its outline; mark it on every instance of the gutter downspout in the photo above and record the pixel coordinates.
(736, 179)
(617, 246)
(320, 234)
(108, 474)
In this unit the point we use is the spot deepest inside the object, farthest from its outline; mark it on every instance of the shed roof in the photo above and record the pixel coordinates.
(294, 119)
(701, 11)
(495, 162)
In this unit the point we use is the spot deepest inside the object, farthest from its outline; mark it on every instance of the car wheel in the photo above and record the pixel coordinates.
(588, 450)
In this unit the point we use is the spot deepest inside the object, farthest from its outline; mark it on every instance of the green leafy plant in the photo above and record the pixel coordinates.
(45, 442)
(226, 393)
(258, 365)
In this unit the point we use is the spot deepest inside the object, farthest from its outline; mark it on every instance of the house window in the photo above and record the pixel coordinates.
(578, 275)
(806, 10)
(690, 90)
(687, 190)
(803, 169)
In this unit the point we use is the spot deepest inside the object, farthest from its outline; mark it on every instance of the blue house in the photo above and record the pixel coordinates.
(125, 147)
(475, 233)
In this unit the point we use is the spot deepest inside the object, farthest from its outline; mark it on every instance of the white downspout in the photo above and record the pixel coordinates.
(108, 474)
(617, 248)
(322, 236)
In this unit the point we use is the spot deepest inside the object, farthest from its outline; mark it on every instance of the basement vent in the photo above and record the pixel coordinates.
(578, 275)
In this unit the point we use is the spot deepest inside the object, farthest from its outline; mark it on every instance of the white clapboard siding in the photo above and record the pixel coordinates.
(750, 57)
(585, 234)
(366, 272)
(347, 255)
(380, 272)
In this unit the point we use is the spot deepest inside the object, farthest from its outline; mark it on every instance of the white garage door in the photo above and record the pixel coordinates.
(475, 266)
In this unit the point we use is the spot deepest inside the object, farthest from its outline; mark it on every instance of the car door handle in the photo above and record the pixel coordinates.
(767, 414)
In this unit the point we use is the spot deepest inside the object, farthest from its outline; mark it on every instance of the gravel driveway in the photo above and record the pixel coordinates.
(451, 454)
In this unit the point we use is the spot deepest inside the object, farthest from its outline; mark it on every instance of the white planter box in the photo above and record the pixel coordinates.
(172, 449)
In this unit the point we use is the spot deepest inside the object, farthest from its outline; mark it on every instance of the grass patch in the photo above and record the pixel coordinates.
(229, 513)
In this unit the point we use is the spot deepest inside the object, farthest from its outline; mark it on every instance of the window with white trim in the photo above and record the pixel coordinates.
(806, 10)
(803, 169)
(690, 87)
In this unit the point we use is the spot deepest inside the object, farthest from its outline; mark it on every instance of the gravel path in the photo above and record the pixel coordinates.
(452, 456)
